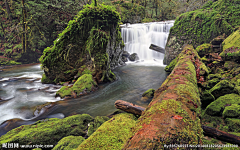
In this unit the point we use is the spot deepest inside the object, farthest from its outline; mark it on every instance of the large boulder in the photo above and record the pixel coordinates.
(217, 107)
(201, 26)
(92, 40)
(48, 131)
(133, 57)
(231, 47)
(83, 85)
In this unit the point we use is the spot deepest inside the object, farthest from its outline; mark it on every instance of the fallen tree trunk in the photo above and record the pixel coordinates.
(157, 48)
(211, 132)
(221, 135)
(129, 107)
(172, 117)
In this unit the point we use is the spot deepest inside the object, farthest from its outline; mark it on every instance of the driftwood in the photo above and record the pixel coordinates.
(211, 132)
(221, 135)
(129, 107)
(157, 48)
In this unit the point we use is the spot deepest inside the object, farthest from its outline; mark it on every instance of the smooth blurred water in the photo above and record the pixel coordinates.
(21, 92)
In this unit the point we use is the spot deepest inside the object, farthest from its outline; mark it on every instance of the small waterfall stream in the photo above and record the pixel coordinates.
(21, 90)
(138, 38)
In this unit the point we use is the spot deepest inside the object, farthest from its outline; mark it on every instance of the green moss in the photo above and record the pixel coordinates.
(228, 65)
(111, 134)
(232, 111)
(64, 91)
(98, 121)
(231, 47)
(172, 64)
(206, 98)
(149, 93)
(221, 88)
(45, 79)
(7, 62)
(202, 25)
(69, 143)
(97, 25)
(84, 83)
(218, 106)
(233, 124)
(204, 49)
(48, 131)
(211, 76)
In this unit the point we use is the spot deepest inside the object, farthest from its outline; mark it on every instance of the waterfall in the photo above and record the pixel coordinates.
(138, 38)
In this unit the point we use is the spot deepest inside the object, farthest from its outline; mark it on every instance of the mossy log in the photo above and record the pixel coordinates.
(129, 107)
(221, 135)
(173, 115)
(157, 48)
(212, 132)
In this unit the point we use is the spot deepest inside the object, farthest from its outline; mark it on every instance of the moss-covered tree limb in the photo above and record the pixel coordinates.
(173, 115)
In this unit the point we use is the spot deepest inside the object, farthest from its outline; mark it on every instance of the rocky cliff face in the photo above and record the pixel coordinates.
(91, 44)
(202, 25)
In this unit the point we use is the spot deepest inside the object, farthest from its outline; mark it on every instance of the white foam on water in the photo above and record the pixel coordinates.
(4, 79)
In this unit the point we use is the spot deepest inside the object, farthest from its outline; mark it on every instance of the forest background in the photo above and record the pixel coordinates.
(27, 27)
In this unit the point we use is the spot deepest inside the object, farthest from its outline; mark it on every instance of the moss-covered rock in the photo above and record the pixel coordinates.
(217, 107)
(149, 93)
(201, 26)
(48, 131)
(206, 98)
(84, 84)
(45, 79)
(232, 111)
(229, 65)
(91, 39)
(111, 134)
(221, 88)
(69, 143)
(231, 47)
(204, 49)
(233, 124)
(98, 121)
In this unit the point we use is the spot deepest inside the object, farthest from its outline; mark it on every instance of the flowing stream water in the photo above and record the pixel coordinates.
(21, 90)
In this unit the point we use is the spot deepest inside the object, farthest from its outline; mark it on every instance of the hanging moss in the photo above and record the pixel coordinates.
(83, 42)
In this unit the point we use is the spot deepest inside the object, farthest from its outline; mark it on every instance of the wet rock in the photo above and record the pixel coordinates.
(126, 54)
(125, 59)
(133, 57)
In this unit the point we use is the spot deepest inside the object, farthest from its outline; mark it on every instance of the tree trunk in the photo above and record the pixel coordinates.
(208, 131)
(221, 135)
(129, 107)
(157, 48)
(8, 11)
(24, 26)
(172, 115)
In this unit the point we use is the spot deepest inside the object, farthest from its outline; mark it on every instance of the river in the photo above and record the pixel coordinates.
(21, 90)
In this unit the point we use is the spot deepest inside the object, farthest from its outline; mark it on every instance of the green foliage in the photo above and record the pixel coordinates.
(149, 93)
(205, 24)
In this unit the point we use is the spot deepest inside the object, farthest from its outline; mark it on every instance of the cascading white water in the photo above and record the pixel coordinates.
(138, 38)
